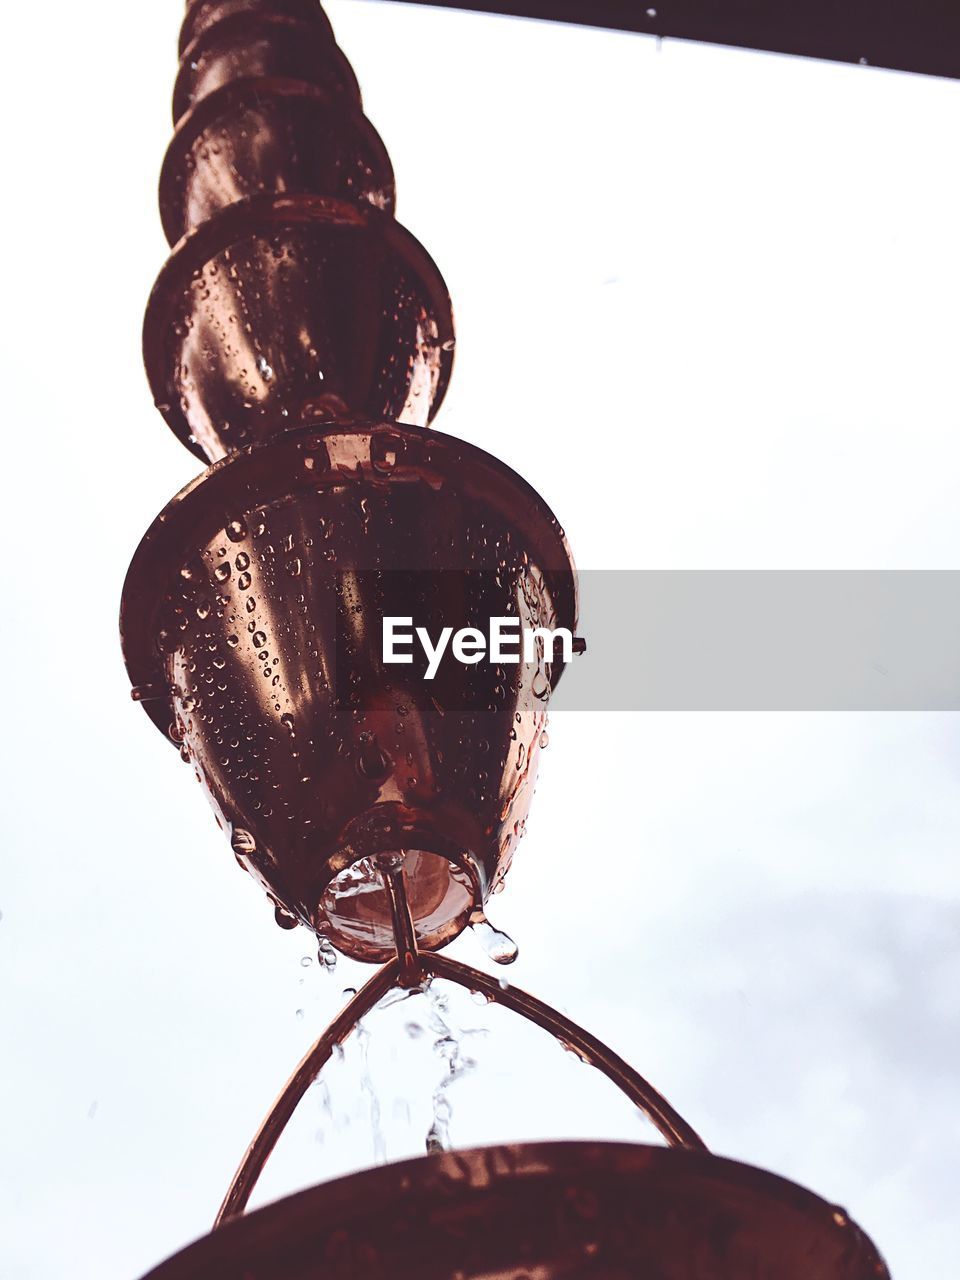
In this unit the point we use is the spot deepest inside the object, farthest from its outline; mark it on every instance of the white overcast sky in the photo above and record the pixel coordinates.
(708, 305)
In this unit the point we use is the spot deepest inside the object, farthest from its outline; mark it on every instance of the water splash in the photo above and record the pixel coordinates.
(397, 995)
(447, 1045)
(325, 1103)
(369, 1091)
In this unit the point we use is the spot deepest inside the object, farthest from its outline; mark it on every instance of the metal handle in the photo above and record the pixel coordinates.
(395, 973)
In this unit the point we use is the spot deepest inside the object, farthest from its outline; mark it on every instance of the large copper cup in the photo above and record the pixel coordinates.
(554, 1211)
(252, 623)
(281, 310)
(275, 136)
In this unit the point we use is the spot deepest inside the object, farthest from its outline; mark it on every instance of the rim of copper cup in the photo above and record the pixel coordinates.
(256, 215)
(312, 14)
(415, 831)
(248, 91)
(259, 21)
(486, 1195)
(261, 473)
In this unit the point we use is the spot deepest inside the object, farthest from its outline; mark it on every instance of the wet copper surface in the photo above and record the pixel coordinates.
(554, 1211)
(249, 45)
(201, 15)
(274, 136)
(282, 310)
(293, 296)
(252, 625)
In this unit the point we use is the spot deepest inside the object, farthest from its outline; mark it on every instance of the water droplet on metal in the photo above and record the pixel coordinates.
(242, 842)
(284, 918)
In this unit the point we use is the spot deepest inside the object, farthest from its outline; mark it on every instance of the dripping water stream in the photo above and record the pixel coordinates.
(431, 1016)
(397, 980)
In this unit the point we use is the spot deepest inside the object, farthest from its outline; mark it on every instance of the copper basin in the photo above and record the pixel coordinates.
(551, 1211)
